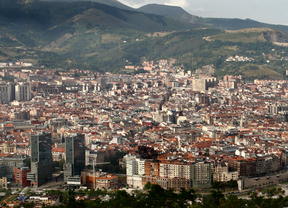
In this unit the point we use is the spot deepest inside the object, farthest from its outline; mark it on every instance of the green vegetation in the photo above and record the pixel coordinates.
(155, 196)
(11, 198)
(93, 36)
(224, 186)
(109, 50)
(28, 163)
(38, 23)
(272, 191)
(58, 164)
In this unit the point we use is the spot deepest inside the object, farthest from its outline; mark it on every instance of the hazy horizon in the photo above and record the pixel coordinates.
(262, 11)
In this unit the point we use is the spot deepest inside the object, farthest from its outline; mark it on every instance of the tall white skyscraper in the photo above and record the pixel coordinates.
(23, 91)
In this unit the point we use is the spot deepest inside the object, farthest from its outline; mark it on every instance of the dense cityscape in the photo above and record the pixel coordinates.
(166, 126)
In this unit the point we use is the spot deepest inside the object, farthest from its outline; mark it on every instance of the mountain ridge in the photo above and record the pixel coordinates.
(107, 2)
(174, 12)
(179, 14)
(51, 20)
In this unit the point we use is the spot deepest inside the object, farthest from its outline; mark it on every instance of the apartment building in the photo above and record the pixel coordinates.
(220, 172)
(201, 175)
(23, 91)
(135, 169)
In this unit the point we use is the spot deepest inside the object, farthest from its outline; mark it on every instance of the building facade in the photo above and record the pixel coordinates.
(74, 155)
(23, 91)
(41, 158)
(201, 174)
(20, 176)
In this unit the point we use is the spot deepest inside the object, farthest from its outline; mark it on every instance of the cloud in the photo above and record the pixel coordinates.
(181, 3)
(135, 3)
(199, 9)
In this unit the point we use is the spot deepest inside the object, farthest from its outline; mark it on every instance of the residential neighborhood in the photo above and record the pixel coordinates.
(172, 128)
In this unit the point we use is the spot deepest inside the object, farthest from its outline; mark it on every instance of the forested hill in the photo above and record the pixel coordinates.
(95, 36)
(35, 22)
(108, 2)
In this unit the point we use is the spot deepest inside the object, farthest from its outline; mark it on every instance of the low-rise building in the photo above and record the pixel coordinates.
(20, 176)
(98, 179)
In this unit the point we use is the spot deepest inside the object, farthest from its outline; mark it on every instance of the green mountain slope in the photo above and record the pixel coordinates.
(39, 23)
(192, 51)
(95, 36)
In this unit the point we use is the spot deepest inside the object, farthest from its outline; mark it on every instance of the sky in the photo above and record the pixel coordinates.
(267, 11)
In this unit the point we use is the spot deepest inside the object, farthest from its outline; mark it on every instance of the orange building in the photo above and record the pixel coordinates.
(99, 180)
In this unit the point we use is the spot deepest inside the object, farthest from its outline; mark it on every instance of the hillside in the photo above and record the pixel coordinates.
(114, 3)
(39, 23)
(180, 14)
(95, 36)
(236, 24)
(193, 49)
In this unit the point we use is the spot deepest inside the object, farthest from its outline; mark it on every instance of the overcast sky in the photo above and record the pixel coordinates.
(267, 11)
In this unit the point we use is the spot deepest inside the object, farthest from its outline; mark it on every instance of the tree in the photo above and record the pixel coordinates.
(61, 163)
(29, 205)
(28, 162)
(216, 185)
(89, 26)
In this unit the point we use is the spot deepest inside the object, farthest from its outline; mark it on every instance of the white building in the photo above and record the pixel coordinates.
(134, 165)
(135, 169)
(23, 91)
(175, 170)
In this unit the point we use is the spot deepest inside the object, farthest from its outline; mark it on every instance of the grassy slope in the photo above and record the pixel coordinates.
(262, 71)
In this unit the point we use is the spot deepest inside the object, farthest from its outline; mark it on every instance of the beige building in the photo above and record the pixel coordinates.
(220, 173)
(174, 170)
(8, 147)
(204, 83)
(3, 182)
